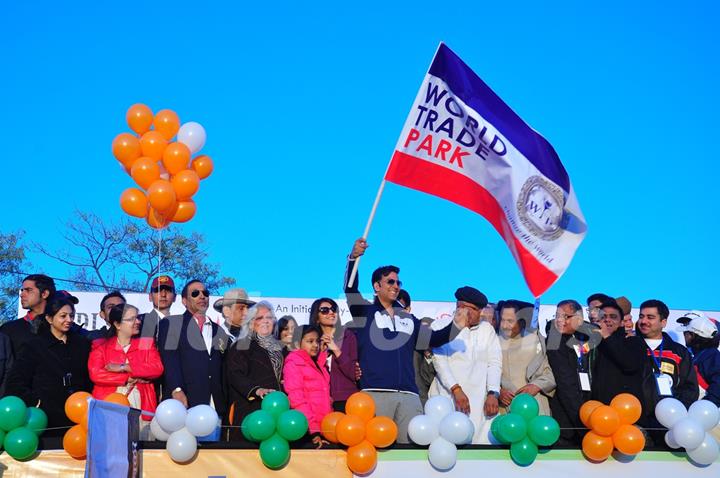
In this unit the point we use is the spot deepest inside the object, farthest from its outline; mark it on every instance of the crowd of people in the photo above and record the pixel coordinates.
(488, 354)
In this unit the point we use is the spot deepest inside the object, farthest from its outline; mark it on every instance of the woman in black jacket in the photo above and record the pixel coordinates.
(253, 366)
(52, 366)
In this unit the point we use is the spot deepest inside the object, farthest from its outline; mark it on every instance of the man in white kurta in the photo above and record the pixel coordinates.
(469, 368)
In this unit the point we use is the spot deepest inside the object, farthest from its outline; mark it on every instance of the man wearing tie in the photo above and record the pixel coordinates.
(192, 349)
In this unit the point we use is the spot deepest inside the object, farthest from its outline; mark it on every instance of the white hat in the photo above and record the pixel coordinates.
(696, 322)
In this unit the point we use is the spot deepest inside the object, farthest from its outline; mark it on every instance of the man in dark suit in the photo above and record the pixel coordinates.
(192, 349)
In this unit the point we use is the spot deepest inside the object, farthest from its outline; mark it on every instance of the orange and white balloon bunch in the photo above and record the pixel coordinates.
(165, 170)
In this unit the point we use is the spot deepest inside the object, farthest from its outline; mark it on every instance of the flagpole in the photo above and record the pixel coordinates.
(367, 227)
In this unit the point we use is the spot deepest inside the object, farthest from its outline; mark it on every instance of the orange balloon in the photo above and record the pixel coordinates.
(596, 447)
(628, 439)
(167, 123)
(328, 425)
(628, 407)
(362, 458)
(381, 431)
(586, 410)
(84, 422)
(75, 442)
(362, 405)
(139, 117)
(119, 398)
(185, 211)
(186, 183)
(203, 166)
(176, 157)
(134, 202)
(144, 171)
(350, 430)
(153, 145)
(162, 195)
(76, 406)
(126, 149)
(156, 220)
(604, 420)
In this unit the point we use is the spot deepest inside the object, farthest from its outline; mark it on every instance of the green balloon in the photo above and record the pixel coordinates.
(525, 405)
(275, 452)
(543, 430)
(292, 425)
(275, 403)
(12, 413)
(512, 428)
(523, 452)
(21, 443)
(36, 420)
(245, 429)
(495, 429)
(259, 425)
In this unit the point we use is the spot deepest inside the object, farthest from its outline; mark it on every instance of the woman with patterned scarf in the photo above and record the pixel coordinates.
(253, 366)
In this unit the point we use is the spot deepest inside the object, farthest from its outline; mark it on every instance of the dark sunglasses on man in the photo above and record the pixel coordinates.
(167, 288)
(197, 292)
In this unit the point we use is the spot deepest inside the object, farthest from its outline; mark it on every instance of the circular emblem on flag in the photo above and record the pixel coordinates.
(540, 207)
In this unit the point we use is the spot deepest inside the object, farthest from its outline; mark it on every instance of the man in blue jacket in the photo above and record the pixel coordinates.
(387, 338)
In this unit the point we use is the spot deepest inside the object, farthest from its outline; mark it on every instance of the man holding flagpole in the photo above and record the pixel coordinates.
(387, 338)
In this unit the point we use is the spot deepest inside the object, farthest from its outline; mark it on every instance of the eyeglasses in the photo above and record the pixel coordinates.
(327, 310)
(130, 319)
(565, 317)
(155, 290)
(392, 282)
(197, 292)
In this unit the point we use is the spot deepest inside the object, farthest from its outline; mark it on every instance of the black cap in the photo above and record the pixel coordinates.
(471, 295)
(63, 294)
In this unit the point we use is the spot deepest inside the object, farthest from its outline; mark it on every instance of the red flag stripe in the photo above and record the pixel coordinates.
(416, 173)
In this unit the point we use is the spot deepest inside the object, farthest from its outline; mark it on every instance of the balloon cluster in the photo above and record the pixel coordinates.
(20, 427)
(689, 428)
(611, 427)
(181, 427)
(524, 429)
(76, 409)
(442, 428)
(165, 170)
(361, 431)
(274, 426)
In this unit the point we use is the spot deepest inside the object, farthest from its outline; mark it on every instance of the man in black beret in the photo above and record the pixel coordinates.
(469, 368)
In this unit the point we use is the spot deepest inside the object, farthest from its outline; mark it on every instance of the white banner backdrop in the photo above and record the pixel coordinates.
(87, 310)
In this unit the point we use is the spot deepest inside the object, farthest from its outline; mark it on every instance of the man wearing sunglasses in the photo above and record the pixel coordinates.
(162, 297)
(387, 338)
(192, 348)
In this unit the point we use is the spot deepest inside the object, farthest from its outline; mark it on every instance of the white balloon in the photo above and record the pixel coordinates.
(201, 420)
(442, 454)
(171, 415)
(157, 431)
(688, 433)
(456, 427)
(706, 453)
(181, 446)
(705, 413)
(669, 411)
(422, 430)
(192, 135)
(670, 440)
(438, 407)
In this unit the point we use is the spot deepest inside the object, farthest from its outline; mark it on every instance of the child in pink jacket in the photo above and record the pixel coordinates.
(307, 381)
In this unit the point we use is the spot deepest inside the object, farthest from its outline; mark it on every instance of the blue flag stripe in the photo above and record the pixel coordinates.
(466, 85)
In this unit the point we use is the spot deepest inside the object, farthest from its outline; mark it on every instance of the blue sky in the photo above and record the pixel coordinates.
(303, 104)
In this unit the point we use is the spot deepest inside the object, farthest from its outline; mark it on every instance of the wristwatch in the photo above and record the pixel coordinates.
(494, 393)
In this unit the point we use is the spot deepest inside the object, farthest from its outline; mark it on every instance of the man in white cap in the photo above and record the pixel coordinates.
(233, 306)
(702, 338)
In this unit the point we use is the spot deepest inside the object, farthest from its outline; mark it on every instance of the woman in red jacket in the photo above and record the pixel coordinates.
(125, 363)
(307, 381)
